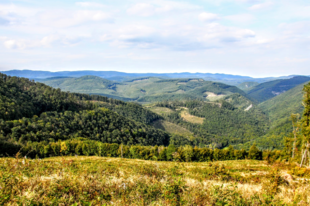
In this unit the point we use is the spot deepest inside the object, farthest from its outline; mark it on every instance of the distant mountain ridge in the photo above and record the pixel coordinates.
(268, 90)
(122, 76)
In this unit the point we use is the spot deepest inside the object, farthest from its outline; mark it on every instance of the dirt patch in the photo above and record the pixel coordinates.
(249, 107)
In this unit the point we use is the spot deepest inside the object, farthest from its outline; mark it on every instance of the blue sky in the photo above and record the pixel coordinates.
(247, 37)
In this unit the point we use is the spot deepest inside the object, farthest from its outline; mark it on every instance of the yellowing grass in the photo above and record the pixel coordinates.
(171, 128)
(161, 110)
(191, 118)
(116, 181)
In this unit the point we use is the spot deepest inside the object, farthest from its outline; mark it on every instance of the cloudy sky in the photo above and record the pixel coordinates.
(247, 37)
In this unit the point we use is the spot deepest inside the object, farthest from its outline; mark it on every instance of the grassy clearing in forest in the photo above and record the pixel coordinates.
(161, 110)
(191, 118)
(171, 128)
(115, 181)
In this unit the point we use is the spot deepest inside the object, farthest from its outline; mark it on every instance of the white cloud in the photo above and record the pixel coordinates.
(14, 44)
(249, 1)
(89, 4)
(48, 40)
(261, 6)
(63, 18)
(160, 7)
(240, 18)
(141, 9)
(208, 17)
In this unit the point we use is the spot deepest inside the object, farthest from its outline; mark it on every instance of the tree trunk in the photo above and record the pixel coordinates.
(302, 158)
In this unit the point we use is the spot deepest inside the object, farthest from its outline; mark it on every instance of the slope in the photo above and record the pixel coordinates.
(20, 98)
(100, 125)
(279, 110)
(146, 89)
(246, 86)
(229, 121)
(268, 90)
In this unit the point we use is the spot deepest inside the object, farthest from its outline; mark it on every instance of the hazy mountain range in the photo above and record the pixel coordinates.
(122, 76)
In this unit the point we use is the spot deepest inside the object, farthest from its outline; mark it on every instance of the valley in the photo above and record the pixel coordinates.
(189, 134)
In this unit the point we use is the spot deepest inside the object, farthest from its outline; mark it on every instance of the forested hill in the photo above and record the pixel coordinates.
(231, 121)
(146, 89)
(268, 90)
(20, 97)
(100, 125)
(279, 110)
(246, 86)
(35, 112)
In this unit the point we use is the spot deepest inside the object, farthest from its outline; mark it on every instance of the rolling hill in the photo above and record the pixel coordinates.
(232, 120)
(279, 110)
(268, 90)
(146, 89)
(191, 111)
(246, 86)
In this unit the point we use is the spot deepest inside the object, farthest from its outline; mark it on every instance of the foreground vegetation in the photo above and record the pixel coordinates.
(117, 181)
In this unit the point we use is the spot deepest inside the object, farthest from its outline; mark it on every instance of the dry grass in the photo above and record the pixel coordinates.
(213, 97)
(116, 181)
(171, 128)
(191, 118)
(161, 110)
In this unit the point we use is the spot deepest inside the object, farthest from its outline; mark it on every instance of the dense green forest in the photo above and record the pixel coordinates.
(224, 124)
(100, 124)
(34, 112)
(20, 98)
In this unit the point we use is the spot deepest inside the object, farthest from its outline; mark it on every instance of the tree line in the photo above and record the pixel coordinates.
(85, 147)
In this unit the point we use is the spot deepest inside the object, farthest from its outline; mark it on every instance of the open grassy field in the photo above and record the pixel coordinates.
(116, 181)
(161, 110)
(191, 118)
(171, 128)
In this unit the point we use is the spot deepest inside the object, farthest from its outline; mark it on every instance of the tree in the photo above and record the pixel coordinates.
(170, 150)
(296, 126)
(254, 153)
(306, 125)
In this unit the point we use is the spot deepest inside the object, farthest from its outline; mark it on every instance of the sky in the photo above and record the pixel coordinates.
(258, 38)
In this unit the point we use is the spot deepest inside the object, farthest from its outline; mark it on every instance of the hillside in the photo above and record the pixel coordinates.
(279, 110)
(268, 90)
(34, 112)
(231, 121)
(20, 97)
(100, 125)
(146, 89)
(246, 86)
